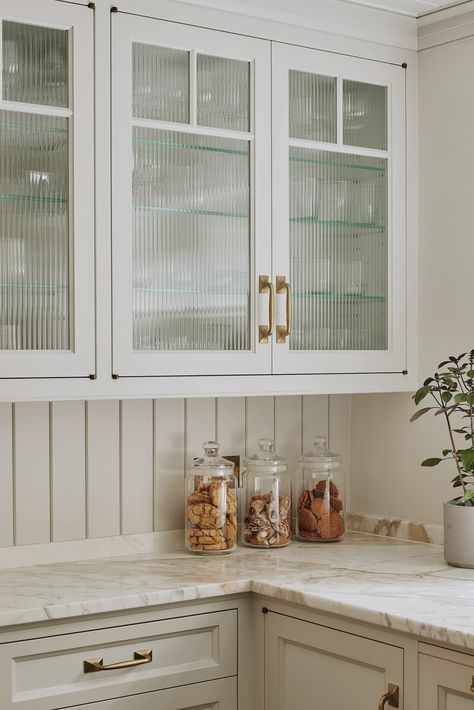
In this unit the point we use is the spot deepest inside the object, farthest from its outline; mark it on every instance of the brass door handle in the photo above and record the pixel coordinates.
(283, 331)
(266, 286)
(392, 697)
(93, 665)
(472, 685)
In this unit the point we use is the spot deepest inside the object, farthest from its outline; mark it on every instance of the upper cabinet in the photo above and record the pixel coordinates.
(46, 190)
(191, 209)
(249, 197)
(339, 213)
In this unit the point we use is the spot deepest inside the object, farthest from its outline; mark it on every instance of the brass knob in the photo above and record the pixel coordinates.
(392, 697)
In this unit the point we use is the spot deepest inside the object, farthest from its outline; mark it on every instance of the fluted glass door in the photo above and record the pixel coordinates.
(46, 300)
(188, 119)
(339, 213)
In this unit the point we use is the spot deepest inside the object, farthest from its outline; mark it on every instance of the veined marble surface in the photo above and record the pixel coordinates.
(393, 583)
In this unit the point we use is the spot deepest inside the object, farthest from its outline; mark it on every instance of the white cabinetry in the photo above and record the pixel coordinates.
(253, 235)
(446, 680)
(313, 667)
(46, 190)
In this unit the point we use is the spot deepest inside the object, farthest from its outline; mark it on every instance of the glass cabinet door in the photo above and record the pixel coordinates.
(191, 149)
(46, 191)
(339, 213)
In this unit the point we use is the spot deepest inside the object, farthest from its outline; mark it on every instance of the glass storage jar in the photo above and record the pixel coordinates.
(266, 499)
(321, 507)
(211, 504)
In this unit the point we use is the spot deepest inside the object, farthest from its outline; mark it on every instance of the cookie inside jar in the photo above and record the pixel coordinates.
(320, 509)
(266, 504)
(211, 504)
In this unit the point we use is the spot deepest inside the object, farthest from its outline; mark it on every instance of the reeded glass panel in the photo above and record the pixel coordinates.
(160, 83)
(191, 242)
(338, 251)
(313, 107)
(34, 238)
(365, 115)
(35, 64)
(223, 93)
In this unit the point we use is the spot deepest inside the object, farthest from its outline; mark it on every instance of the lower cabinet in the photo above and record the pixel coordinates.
(446, 680)
(215, 695)
(312, 667)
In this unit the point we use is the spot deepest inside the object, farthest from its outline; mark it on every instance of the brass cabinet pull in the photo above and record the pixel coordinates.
(93, 665)
(266, 286)
(283, 331)
(392, 697)
(472, 685)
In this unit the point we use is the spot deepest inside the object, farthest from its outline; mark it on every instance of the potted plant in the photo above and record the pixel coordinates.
(452, 390)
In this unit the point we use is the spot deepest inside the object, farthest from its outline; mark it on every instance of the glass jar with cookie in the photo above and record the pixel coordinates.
(211, 504)
(321, 506)
(266, 499)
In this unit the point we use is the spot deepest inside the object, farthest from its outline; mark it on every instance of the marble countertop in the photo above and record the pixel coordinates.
(395, 584)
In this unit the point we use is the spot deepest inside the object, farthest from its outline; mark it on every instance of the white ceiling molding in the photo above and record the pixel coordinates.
(412, 8)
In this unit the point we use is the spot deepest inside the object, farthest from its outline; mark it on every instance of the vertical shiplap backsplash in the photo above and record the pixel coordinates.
(75, 470)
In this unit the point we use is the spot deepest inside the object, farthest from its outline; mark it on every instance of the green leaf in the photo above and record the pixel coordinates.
(461, 397)
(461, 431)
(470, 374)
(431, 462)
(470, 399)
(442, 364)
(421, 394)
(429, 380)
(446, 452)
(420, 413)
(468, 495)
(446, 397)
(466, 457)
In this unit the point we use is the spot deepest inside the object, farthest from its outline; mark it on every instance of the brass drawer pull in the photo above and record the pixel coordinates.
(392, 697)
(266, 286)
(283, 331)
(93, 665)
(472, 685)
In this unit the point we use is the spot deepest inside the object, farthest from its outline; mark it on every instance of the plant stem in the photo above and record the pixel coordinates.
(461, 479)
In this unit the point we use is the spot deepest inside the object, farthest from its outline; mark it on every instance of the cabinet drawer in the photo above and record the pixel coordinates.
(48, 673)
(215, 695)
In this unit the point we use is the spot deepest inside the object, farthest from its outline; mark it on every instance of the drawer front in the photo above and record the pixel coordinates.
(215, 695)
(50, 673)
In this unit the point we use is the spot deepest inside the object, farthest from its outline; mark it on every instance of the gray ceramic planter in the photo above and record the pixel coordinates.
(459, 535)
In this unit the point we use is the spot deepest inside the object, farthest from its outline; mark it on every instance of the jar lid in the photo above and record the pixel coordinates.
(266, 457)
(321, 454)
(211, 459)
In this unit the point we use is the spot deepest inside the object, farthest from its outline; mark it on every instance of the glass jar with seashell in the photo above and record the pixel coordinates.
(266, 499)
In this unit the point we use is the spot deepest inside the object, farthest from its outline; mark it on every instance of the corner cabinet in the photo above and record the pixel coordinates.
(46, 190)
(313, 667)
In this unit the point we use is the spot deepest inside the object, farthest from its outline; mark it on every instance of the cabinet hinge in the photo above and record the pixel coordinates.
(91, 5)
(114, 9)
(404, 372)
(115, 376)
(404, 65)
(92, 377)
(264, 610)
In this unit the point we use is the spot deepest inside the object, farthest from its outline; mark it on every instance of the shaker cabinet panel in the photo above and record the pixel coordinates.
(316, 668)
(191, 199)
(339, 213)
(46, 191)
(446, 684)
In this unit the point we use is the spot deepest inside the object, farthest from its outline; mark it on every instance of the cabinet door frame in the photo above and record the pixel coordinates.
(284, 58)
(442, 671)
(280, 627)
(79, 360)
(125, 30)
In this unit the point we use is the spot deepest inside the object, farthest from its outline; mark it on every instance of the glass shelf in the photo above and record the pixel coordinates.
(35, 198)
(336, 164)
(29, 127)
(191, 292)
(347, 297)
(337, 223)
(180, 210)
(191, 146)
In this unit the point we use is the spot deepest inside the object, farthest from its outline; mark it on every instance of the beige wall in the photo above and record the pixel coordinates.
(386, 476)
